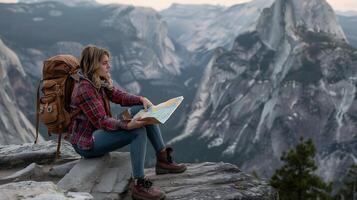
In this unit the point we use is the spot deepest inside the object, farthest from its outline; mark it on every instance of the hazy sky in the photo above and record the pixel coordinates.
(342, 5)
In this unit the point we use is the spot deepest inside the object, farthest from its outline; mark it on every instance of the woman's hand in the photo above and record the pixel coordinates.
(146, 103)
(136, 123)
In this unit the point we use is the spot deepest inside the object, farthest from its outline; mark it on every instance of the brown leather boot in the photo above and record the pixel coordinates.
(141, 189)
(165, 164)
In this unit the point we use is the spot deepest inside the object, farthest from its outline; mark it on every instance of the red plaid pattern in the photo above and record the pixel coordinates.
(95, 113)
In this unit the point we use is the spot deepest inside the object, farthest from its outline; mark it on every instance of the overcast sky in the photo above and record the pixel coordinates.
(342, 5)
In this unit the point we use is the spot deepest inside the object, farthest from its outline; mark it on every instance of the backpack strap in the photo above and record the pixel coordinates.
(58, 146)
(75, 76)
(37, 109)
(75, 113)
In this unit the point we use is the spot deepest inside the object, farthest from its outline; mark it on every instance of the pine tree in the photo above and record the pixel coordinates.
(349, 189)
(296, 179)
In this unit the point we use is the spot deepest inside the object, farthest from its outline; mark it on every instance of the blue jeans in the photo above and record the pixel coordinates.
(107, 141)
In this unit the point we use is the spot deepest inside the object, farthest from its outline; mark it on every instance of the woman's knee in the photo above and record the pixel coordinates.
(139, 132)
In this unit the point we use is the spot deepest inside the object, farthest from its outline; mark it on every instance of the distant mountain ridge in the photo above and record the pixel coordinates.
(222, 25)
(67, 2)
(347, 13)
(348, 25)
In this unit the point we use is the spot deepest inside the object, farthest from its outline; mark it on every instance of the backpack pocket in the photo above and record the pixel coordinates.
(48, 112)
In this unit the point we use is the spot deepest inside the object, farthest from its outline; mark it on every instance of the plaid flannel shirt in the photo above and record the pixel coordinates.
(95, 111)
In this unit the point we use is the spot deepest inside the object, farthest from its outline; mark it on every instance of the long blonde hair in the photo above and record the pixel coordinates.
(90, 63)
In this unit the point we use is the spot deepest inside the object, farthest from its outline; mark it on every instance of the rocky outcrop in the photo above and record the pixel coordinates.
(108, 177)
(41, 153)
(38, 190)
(212, 181)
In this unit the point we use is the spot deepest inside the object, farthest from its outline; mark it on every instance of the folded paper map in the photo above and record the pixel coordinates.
(160, 113)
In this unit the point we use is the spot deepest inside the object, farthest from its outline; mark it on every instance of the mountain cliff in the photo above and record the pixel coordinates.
(15, 128)
(290, 73)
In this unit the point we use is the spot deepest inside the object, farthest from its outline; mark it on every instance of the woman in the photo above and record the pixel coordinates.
(95, 132)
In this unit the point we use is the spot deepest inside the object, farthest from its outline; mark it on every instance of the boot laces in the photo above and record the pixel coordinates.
(144, 182)
(169, 158)
(168, 155)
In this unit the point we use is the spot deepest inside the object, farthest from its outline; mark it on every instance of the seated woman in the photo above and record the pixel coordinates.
(95, 132)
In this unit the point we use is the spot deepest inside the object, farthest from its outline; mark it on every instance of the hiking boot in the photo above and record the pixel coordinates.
(141, 189)
(165, 163)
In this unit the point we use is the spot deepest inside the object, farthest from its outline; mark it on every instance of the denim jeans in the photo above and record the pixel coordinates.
(107, 141)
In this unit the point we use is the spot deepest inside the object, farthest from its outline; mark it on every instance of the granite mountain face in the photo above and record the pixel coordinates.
(289, 73)
(15, 128)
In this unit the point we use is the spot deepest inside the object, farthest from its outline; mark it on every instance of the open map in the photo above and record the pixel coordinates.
(162, 111)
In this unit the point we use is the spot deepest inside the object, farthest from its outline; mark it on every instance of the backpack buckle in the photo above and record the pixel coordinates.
(49, 109)
(41, 109)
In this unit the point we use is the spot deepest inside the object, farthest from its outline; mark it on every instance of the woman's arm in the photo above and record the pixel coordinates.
(123, 98)
(93, 108)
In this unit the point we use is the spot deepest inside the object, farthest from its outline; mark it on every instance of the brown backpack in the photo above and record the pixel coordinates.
(53, 103)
